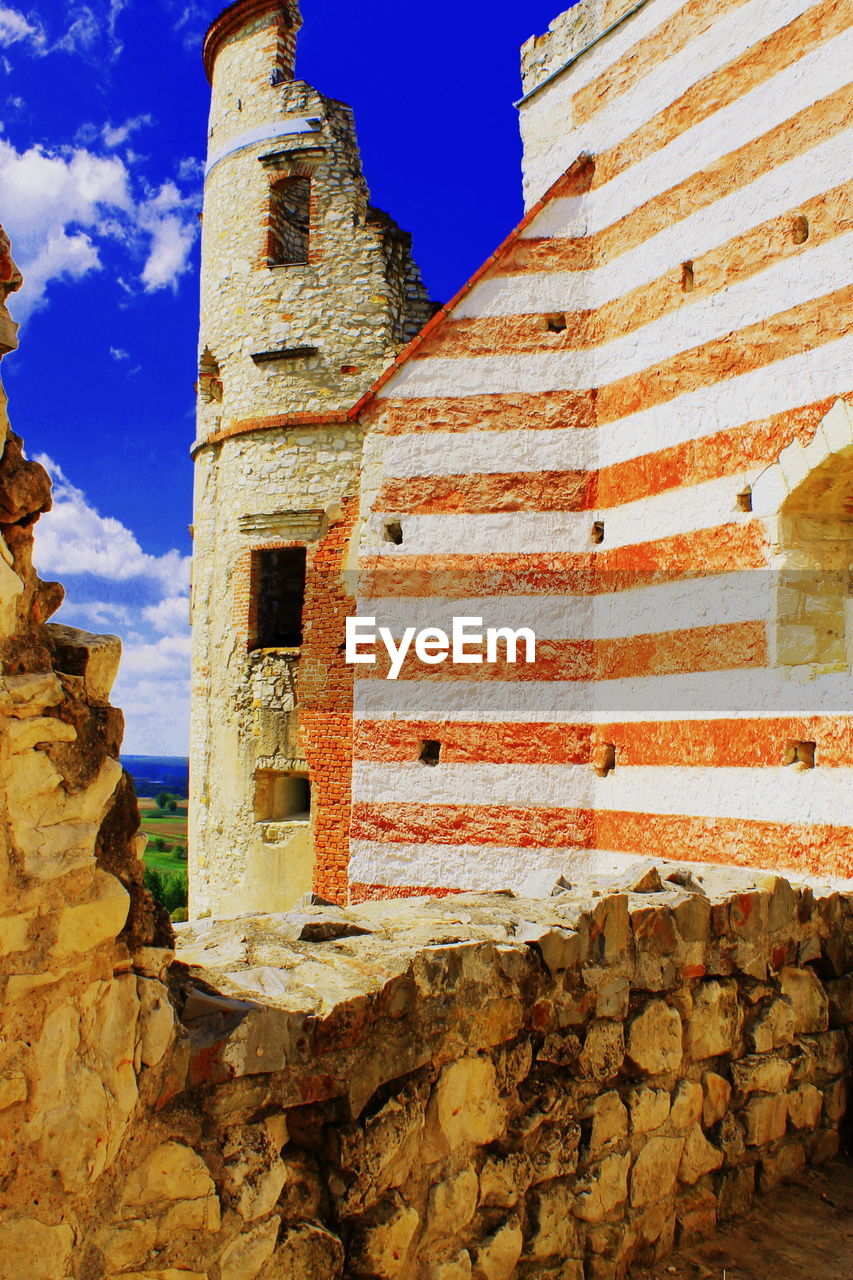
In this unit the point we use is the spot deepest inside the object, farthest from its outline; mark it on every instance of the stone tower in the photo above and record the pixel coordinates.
(307, 294)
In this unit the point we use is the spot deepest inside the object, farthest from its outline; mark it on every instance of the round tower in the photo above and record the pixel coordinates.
(307, 293)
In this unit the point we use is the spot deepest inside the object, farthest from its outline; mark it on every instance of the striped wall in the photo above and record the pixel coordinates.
(573, 445)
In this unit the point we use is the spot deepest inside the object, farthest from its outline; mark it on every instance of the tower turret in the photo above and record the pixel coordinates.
(307, 293)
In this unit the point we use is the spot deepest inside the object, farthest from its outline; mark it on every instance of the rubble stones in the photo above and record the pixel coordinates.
(654, 1039)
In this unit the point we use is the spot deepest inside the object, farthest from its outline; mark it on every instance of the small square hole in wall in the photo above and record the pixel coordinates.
(688, 279)
(801, 754)
(604, 758)
(430, 752)
(801, 229)
(556, 323)
(350, 368)
(282, 797)
(392, 531)
(598, 531)
(744, 499)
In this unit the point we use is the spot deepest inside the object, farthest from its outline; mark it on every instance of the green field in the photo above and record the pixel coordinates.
(168, 828)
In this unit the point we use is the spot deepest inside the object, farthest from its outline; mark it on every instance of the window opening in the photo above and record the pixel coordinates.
(280, 583)
(290, 221)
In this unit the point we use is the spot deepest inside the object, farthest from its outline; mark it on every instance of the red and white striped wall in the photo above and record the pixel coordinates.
(571, 445)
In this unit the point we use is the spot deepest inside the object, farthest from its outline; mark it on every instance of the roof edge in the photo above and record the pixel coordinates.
(231, 20)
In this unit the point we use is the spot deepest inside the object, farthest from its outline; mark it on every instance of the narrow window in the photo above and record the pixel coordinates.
(598, 531)
(282, 797)
(392, 531)
(801, 754)
(604, 758)
(801, 229)
(280, 594)
(430, 752)
(209, 379)
(744, 499)
(290, 221)
(688, 280)
(556, 323)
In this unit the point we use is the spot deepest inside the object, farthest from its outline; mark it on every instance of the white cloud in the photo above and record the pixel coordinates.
(65, 208)
(164, 217)
(76, 539)
(15, 27)
(83, 33)
(119, 353)
(100, 557)
(114, 135)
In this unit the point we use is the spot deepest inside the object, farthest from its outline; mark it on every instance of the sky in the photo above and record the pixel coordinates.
(103, 110)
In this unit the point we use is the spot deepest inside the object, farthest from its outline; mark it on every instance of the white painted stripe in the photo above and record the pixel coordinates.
(761, 794)
(674, 606)
(474, 867)
(284, 128)
(790, 283)
(815, 76)
(769, 196)
(675, 511)
(801, 379)
(729, 37)
(705, 695)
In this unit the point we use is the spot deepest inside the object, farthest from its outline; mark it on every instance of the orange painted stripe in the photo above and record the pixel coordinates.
(784, 142)
(747, 743)
(512, 411)
(829, 215)
(818, 849)
(800, 329)
(728, 647)
(694, 462)
(457, 577)
(722, 88)
(359, 892)
(663, 43)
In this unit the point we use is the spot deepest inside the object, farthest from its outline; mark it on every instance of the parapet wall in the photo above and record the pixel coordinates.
(567, 35)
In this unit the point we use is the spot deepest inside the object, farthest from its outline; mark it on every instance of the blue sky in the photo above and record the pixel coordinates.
(102, 133)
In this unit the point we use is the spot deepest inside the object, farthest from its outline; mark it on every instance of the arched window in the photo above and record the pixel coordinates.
(289, 221)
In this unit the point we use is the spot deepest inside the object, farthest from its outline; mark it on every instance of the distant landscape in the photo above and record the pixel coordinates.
(162, 785)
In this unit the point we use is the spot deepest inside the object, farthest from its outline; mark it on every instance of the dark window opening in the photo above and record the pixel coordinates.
(392, 531)
(290, 221)
(598, 531)
(688, 279)
(430, 752)
(282, 797)
(604, 758)
(801, 229)
(744, 499)
(801, 754)
(556, 323)
(209, 379)
(280, 578)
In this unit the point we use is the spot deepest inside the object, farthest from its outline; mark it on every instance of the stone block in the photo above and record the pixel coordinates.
(772, 1027)
(456, 1268)
(559, 948)
(765, 1118)
(827, 1052)
(655, 1171)
(451, 1205)
(609, 1123)
(498, 1255)
(245, 1256)
(610, 928)
(13, 1088)
(687, 1105)
(14, 932)
(253, 1173)
(86, 925)
(174, 1182)
(552, 1232)
(465, 1106)
(809, 1001)
(80, 653)
(127, 1244)
(307, 1250)
(649, 1109)
(655, 1039)
(504, 1180)
(730, 1140)
(603, 1051)
(698, 1157)
(835, 1102)
(603, 1188)
(763, 1074)
(786, 1163)
(380, 1246)
(718, 1094)
(805, 1106)
(156, 1020)
(32, 1249)
(736, 1192)
(715, 1025)
(696, 1216)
